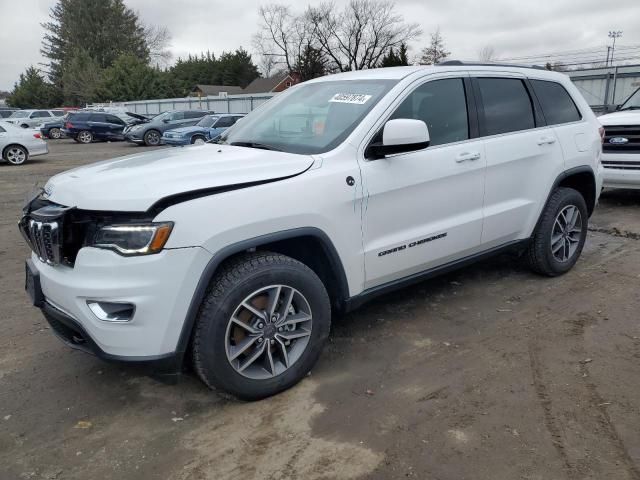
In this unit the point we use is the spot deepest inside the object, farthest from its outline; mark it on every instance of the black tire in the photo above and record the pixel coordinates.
(152, 138)
(236, 280)
(196, 138)
(84, 136)
(539, 254)
(55, 133)
(24, 125)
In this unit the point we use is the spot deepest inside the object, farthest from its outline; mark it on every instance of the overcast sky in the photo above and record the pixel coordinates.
(513, 28)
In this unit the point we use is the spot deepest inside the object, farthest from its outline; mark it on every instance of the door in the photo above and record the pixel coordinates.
(523, 157)
(98, 125)
(38, 117)
(114, 126)
(424, 208)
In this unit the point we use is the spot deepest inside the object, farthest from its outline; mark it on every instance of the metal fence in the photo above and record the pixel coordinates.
(605, 87)
(229, 104)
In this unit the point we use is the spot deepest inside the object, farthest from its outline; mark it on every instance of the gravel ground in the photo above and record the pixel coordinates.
(487, 373)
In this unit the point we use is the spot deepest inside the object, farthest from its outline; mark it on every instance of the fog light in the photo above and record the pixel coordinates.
(112, 311)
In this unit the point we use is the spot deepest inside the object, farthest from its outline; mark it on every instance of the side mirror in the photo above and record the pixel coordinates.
(400, 135)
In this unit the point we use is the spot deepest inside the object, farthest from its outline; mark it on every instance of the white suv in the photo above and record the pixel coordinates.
(621, 149)
(33, 118)
(235, 254)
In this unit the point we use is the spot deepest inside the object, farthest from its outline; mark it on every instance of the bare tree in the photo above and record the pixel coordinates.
(359, 35)
(352, 38)
(282, 37)
(436, 51)
(487, 54)
(158, 40)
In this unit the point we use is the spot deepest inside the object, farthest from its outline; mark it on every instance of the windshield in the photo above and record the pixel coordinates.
(311, 118)
(207, 121)
(19, 114)
(633, 102)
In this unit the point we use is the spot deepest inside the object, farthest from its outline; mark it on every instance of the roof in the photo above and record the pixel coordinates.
(265, 85)
(398, 73)
(216, 89)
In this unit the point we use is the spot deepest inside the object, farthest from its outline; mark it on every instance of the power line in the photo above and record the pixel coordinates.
(572, 54)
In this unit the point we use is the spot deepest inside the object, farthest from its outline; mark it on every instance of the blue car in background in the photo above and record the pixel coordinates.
(208, 128)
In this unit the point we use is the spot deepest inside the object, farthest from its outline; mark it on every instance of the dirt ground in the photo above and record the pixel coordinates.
(487, 373)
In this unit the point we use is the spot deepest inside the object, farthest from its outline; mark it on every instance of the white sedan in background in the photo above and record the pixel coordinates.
(18, 144)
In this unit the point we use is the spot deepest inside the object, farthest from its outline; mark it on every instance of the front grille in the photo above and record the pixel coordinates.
(626, 139)
(42, 229)
(620, 165)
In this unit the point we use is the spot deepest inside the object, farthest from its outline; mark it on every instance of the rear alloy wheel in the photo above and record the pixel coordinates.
(85, 136)
(198, 140)
(152, 138)
(261, 327)
(15, 155)
(55, 133)
(560, 235)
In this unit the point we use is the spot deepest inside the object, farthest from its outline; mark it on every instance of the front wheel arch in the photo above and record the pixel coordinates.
(338, 287)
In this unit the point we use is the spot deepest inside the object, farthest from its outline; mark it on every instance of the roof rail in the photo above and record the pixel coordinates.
(451, 63)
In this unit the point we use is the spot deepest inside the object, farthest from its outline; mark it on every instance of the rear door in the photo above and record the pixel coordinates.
(98, 125)
(523, 156)
(424, 208)
(576, 136)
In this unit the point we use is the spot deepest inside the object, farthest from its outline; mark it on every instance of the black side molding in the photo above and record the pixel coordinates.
(371, 293)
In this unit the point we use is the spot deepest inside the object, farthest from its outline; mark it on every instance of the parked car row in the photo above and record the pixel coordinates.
(33, 118)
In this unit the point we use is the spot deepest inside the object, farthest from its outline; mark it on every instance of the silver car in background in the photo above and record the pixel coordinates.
(18, 144)
(33, 118)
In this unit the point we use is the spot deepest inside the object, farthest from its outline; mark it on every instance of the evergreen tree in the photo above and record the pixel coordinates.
(81, 79)
(31, 91)
(237, 68)
(311, 64)
(393, 59)
(130, 78)
(105, 29)
(436, 51)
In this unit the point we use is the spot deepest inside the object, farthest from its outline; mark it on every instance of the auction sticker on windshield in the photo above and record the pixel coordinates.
(356, 98)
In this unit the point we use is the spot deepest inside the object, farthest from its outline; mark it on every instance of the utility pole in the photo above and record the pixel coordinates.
(615, 34)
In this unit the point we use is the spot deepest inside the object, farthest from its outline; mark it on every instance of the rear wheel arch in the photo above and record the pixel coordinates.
(309, 245)
(583, 181)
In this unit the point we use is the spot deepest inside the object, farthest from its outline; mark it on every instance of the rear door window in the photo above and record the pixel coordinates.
(507, 105)
(557, 105)
(442, 105)
(98, 117)
(41, 114)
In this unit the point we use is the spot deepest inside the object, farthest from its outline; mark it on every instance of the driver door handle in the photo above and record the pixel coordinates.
(546, 141)
(467, 157)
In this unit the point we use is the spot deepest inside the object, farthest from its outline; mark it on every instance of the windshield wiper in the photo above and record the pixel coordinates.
(261, 146)
(632, 107)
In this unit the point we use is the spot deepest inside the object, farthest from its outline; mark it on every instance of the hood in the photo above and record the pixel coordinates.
(630, 117)
(183, 130)
(134, 183)
(137, 116)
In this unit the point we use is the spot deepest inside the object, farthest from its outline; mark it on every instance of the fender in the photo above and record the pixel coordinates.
(558, 180)
(226, 252)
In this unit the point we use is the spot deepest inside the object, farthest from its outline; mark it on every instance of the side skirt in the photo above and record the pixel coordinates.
(371, 293)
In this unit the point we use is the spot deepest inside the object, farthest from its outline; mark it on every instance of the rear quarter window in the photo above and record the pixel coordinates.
(557, 105)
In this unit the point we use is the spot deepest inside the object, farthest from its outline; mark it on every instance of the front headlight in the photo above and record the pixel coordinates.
(133, 239)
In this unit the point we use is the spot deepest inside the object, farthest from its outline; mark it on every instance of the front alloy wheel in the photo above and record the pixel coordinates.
(268, 332)
(152, 138)
(261, 326)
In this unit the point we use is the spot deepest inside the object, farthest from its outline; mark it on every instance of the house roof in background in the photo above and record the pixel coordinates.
(265, 85)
